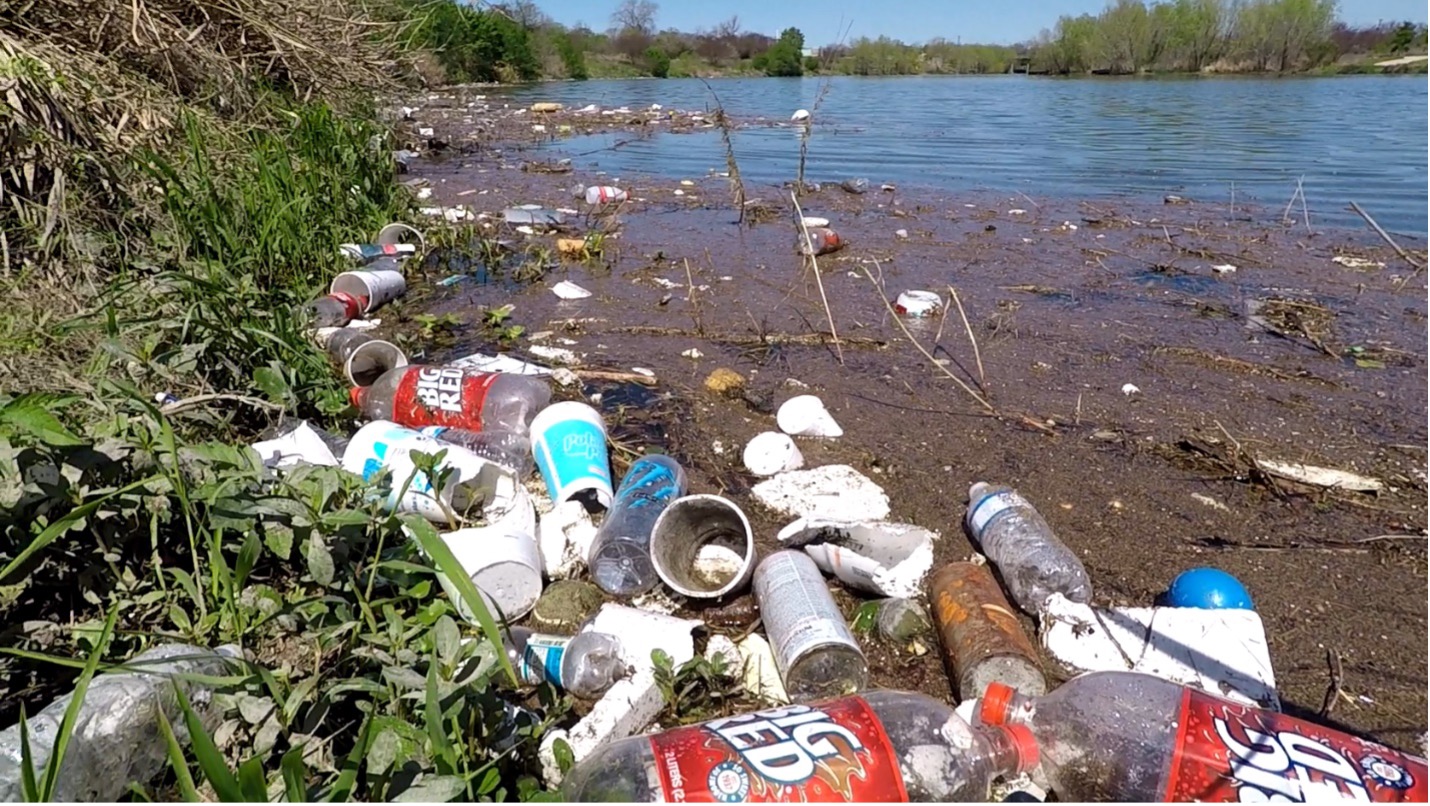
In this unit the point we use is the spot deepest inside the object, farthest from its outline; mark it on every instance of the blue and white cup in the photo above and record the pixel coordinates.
(568, 441)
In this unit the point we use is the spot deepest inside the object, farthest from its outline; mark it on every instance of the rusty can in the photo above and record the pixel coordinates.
(982, 639)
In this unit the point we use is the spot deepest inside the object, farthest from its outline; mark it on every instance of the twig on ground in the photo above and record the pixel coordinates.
(1333, 689)
(982, 401)
(813, 262)
(749, 339)
(1409, 258)
(1036, 206)
(1286, 214)
(198, 400)
(615, 376)
(977, 357)
(1305, 213)
(690, 297)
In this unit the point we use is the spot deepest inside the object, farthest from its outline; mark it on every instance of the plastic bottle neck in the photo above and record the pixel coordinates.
(357, 395)
(1011, 749)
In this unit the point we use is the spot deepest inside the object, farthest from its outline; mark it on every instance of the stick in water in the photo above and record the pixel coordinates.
(977, 358)
(809, 244)
(1371, 221)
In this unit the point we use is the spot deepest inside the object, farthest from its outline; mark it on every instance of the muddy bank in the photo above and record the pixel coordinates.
(1287, 355)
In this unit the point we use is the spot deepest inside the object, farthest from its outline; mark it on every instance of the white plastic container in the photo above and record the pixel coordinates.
(379, 286)
(385, 446)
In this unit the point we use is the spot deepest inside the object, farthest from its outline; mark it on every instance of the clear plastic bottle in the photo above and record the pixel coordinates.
(1033, 562)
(1126, 736)
(507, 448)
(585, 665)
(877, 746)
(815, 653)
(604, 194)
(334, 310)
(116, 737)
(419, 396)
(620, 553)
(823, 239)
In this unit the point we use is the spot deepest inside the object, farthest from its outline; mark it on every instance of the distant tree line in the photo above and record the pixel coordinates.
(1130, 36)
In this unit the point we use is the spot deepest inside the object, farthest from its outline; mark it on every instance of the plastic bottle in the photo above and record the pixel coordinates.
(362, 357)
(1033, 562)
(1126, 736)
(603, 194)
(815, 653)
(507, 448)
(419, 396)
(365, 253)
(982, 640)
(334, 310)
(823, 239)
(878, 746)
(856, 186)
(116, 737)
(585, 665)
(620, 553)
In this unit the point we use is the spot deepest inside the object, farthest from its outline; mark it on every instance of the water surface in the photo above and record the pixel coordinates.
(1360, 138)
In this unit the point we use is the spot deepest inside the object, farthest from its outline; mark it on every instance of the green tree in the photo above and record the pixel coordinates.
(1198, 33)
(785, 57)
(657, 62)
(573, 58)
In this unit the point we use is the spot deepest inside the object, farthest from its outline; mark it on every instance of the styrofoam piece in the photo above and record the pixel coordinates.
(805, 415)
(772, 452)
(720, 646)
(499, 363)
(832, 492)
(1223, 652)
(761, 676)
(301, 446)
(568, 290)
(564, 536)
(560, 355)
(631, 704)
(1320, 476)
(887, 559)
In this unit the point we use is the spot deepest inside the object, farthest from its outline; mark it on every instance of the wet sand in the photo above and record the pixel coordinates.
(1289, 357)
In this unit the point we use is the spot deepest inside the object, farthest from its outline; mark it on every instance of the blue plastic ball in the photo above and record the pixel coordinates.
(1209, 589)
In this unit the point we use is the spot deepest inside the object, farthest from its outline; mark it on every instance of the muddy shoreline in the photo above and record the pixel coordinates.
(1291, 356)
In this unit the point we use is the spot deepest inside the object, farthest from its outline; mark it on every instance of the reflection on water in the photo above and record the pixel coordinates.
(1357, 138)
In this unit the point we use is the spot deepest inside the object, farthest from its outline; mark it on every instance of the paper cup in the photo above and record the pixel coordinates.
(378, 287)
(772, 452)
(568, 441)
(382, 446)
(369, 360)
(918, 303)
(702, 547)
(806, 416)
(505, 566)
(397, 232)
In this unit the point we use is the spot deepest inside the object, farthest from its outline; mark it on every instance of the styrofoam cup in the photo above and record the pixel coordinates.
(504, 564)
(918, 303)
(378, 287)
(772, 452)
(369, 360)
(702, 547)
(395, 232)
(806, 416)
(568, 441)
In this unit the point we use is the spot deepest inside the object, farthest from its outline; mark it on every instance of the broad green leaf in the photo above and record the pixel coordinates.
(433, 789)
(295, 775)
(272, 383)
(252, 781)
(565, 757)
(247, 558)
(279, 540)
(440, 745)
(29, 414)
(383, 752)
(447, 639)
(320, 560)
(1369, 363)
(62, 739)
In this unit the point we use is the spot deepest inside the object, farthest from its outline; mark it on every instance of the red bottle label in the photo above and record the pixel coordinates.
(442, 396)
(831, 753)
(1229, 752)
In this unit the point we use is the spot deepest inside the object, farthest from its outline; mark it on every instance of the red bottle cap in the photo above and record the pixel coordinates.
(997, 701)
(1025, 743)
(355, 305)
(356, 395)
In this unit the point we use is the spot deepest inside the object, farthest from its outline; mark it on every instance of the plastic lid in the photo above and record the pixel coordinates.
(997, 701)
(356, 395)
(1025, 743)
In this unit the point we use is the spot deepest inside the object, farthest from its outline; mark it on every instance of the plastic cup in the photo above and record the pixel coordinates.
(369, 360)
(772, 452)
(702, 547)
(378, 287)
(504, 564)
(395, 233)
(806, 416)
(568, 441)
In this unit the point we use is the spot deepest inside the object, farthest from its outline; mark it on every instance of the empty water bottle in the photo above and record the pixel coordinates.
(1033, 562)
(620, 554)
(116, 737)
(822, 240)
(585, 665)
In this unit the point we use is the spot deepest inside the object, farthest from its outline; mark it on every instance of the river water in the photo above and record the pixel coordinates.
(1352, 138)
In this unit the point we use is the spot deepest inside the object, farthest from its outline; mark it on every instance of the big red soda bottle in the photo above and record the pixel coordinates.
(876, 746)
(419, 396)
(1126, 736)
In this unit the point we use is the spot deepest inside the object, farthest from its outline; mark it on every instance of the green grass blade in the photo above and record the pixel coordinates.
(442, 750)
(62, 739)
(436, 549)
(295, 775)
(210, 760)
(185, 779)
(343, 788)
(27, 762)
(59, 527)
(252, 781)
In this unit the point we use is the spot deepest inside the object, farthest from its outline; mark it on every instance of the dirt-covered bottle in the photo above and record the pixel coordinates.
(1034, 563)
(419, 396)
(586, 665)
(1126, 736)
(877, 746)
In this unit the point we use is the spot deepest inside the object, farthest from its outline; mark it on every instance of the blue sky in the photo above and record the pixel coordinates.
(999, 21)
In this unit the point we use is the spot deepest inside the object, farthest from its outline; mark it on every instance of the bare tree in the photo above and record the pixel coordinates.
(635, 15)
(525, 13)
(729, 29)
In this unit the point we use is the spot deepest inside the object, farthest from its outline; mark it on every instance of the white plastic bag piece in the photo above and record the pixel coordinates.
(300, 446)
(568, 290)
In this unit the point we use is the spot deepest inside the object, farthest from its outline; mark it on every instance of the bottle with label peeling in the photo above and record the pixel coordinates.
(1034, 563)
(878, 746)
(1126, 736)
(507, 448)
(419, 396)
(585, 665)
